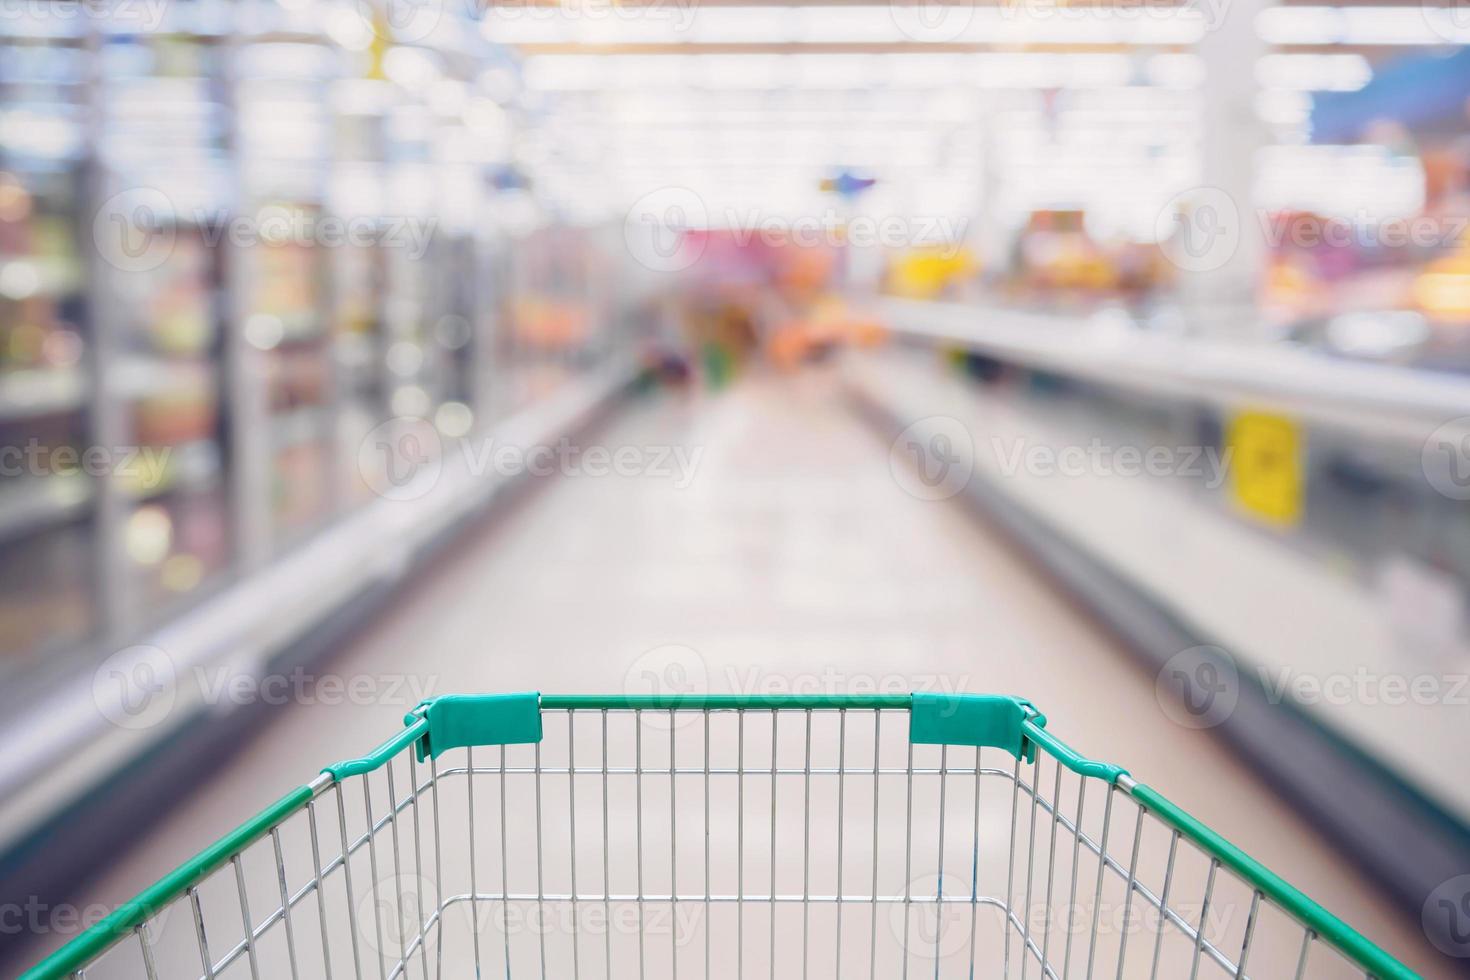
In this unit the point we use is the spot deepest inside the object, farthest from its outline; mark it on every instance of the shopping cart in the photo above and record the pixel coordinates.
(834, 837)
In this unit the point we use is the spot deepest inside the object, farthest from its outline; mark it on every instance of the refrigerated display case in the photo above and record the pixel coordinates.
(48, 593)
(162, 130)
(285, 134)
(167, 291)
(162, 293)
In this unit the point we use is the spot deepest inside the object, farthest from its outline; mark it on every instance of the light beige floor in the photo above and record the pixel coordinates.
(794, 558)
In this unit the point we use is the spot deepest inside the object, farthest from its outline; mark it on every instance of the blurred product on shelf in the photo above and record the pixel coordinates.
(550, 324)
(931, 273)
(830, 324)
(1057, 259)
(1442, 290)
(1378, 266)
(46, 590)
(180, 321)
(769, 295)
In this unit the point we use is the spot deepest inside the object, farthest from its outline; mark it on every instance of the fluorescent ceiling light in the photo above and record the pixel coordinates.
(1407, 25)
(687, 23)
(1314, 72)
(837, 71)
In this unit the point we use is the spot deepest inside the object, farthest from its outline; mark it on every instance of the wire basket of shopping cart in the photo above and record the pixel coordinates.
(701, 837)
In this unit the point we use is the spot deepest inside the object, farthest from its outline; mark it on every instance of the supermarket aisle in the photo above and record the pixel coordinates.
(793, 560)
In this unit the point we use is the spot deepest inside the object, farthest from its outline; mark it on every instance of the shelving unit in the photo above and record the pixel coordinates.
(1378, 554)
(161, 115)
(146, 308)
(49, 596)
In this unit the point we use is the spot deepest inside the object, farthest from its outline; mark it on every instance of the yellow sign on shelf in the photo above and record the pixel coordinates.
(1266, 473)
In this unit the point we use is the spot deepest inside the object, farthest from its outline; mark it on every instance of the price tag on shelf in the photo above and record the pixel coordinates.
(1267, 481)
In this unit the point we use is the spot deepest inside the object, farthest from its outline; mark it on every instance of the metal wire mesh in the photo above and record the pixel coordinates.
(790, 843)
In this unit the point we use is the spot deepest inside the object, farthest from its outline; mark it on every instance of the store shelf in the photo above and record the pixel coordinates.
(48, 276)
(1377, 399)
(28, 393)
(32, 504)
